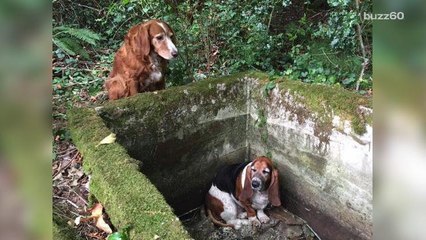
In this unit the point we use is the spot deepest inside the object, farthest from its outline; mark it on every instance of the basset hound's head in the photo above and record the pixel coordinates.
(154, 35)
(261, 175)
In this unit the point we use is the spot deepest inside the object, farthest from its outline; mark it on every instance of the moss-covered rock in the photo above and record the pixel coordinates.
(127, 195)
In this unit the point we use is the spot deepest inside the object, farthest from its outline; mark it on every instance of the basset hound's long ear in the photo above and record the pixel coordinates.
(138, 40)
(274, 190)
(247, 191)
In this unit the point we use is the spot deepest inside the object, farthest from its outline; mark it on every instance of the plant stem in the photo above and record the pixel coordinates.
(361, 43)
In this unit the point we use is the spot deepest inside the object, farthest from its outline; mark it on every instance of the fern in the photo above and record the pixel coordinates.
(71, 40)
(63, 45)
(83, 34)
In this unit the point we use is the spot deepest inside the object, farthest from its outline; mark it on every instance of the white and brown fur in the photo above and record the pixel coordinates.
(240, 192)
(140, 63)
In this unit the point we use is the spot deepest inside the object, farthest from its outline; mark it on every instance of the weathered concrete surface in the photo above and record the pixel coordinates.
(326, 168)
(319, 138)
(182, 135)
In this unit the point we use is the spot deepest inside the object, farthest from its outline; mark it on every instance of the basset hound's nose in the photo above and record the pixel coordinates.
(174, 53)
(255, 184)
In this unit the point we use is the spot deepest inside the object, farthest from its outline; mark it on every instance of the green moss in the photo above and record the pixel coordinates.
(127, 195)
(61, 230)
(327, 101)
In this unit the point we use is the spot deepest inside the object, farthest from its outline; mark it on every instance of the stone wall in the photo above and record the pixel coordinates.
(181, 136)
(318, 136)
(326, 167)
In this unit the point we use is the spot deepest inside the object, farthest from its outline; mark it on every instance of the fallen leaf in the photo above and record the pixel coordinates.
(109, 139)
(101, 224)
(77, 220)
(96, 210)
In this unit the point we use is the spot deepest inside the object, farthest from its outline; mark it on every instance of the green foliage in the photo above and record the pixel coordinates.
(71, 40)
(123, 234)
(314, 41)
(340, 29)
(268, 87)
(318, 64)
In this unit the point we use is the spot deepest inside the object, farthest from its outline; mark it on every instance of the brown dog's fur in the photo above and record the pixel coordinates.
(140, 63)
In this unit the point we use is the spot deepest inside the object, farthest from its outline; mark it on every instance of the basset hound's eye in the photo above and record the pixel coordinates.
(253, 169)
(266, 172)
(159, 38)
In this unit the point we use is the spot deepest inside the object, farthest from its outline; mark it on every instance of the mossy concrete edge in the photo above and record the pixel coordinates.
(321, 100)
(129, 198)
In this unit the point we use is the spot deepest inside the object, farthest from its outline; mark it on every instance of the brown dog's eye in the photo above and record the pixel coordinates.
(265, 172)
(254, 169)
(159, 38)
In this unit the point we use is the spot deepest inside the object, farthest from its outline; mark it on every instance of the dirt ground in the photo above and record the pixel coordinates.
(283, 225)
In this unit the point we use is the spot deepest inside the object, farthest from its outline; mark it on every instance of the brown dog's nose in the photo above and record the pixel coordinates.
(175, 53)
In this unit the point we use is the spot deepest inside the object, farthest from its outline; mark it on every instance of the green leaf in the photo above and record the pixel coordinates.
(60, 43)
(118, 236)
(268, 87)
(348, 81)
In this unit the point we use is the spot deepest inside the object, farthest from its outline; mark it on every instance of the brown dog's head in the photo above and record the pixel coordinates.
(262, 176)
(153, 35)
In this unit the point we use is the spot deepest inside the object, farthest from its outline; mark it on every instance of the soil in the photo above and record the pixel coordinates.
(283, 225)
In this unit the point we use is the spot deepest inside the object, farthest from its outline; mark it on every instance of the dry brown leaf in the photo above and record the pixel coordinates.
(96, 211)
(101, 224)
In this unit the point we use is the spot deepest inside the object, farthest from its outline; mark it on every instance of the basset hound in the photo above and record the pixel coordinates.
(140, 63)
(243, 190)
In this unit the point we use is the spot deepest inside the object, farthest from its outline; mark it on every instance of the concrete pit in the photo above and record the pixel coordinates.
(171, 143)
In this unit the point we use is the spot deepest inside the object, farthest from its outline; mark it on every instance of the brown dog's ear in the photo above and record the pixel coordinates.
(138, 40)
(247, 191)
(273, 190)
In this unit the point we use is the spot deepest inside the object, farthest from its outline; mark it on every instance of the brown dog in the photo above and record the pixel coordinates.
(140, 63)
(239, 190)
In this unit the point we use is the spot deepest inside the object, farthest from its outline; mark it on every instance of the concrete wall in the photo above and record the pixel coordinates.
(326, 168)
(183, 136)
(318, 136)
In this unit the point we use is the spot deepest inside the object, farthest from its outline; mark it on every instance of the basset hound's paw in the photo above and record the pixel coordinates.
(242, 215)
(254, 221)
(264, 219)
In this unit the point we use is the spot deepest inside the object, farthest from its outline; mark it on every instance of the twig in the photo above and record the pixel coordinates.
(116, 31)
(66, 151)
(312, 230)
(82, 199)
(325, 54)
(67, 200)
(89, 7)
(66, 165)
(270, 16)
(361, 43)
(76, 83)
(190, 211)
(80, 69)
